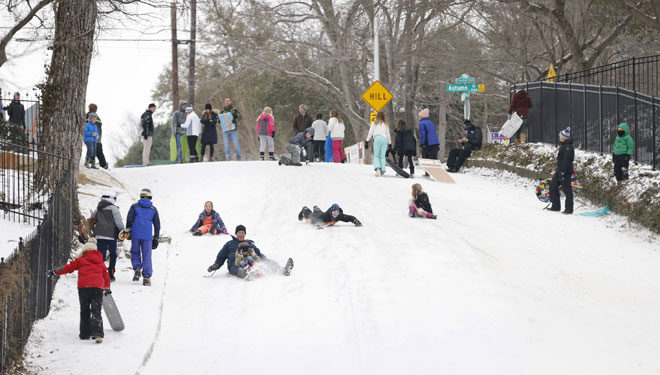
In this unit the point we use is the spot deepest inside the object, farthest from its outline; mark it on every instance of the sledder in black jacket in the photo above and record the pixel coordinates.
(329, 217)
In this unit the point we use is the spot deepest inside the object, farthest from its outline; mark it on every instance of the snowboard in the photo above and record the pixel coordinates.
(284, 160)
(511, 125)
(436, 171)
(185, 150)
(112, 313)
(396, 169)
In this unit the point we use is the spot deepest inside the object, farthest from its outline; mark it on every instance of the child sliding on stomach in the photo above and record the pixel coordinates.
(93, 278)
(419, 205)
(208, 221)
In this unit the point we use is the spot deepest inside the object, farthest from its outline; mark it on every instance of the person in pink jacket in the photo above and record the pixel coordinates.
(266, 132)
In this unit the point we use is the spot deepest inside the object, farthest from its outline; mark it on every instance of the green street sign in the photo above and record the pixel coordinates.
(472, 87)
(465, 78)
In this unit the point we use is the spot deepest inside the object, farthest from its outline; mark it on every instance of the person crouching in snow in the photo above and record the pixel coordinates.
(420, 205)
(301, 142)
(208, 221)
(93, 279)
(329, 217)
(236, 248)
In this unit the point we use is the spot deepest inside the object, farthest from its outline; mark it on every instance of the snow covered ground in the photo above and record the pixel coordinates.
(494, 286)
(10, 232)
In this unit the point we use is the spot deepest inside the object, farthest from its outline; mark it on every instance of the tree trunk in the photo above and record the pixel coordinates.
(65, 89)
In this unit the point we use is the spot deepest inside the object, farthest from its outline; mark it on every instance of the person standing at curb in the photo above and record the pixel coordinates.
(192, 126)
(147, 132)
(520, 104)
(230, 131)
(563, 174)
(428, 136)
(622, 151)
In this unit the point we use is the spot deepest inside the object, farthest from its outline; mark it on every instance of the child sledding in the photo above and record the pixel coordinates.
(209, 221)
(331, 216)
(419, 205)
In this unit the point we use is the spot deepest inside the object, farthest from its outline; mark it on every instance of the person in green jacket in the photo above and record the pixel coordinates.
(623, 149)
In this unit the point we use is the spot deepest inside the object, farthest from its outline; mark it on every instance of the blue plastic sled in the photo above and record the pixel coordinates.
(328, 149)
(598, 213)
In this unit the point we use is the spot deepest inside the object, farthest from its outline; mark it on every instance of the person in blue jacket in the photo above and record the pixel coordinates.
(238, 242)
(209, 221)
(141, 217)
(428, 137)
(90, 139)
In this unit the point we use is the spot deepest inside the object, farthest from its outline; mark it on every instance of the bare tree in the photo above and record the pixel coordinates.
(21, 21)
(645, 12)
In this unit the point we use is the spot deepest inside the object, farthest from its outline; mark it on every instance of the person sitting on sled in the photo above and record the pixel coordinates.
(209, 221)
(93, 279)
(235, 249)
(330, 217)
(419, 205)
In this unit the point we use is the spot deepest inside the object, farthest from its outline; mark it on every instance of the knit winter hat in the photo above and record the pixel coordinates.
(189, 109)
(208, 106)
(239, 228)
(93, 116)
(566, 133)
(424, 113)
(90, 245)
(110, 195)
(145, 193)
(334, 207)
(310, 130)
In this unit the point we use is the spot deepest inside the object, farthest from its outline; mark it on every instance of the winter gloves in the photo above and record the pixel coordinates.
(50, 273)
(154, 243)
(357, 223)
(107, 292)
(213, 267)
(273, 135)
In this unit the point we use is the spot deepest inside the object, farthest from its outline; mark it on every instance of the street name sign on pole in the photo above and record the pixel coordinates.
(377, 96)
(466, 85)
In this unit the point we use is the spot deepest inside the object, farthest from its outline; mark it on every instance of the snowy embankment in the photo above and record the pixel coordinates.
(10, 232)
(494, 286)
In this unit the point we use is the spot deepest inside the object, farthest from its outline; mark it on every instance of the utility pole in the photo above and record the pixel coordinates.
(175, 60)
(193, 36)
(376, 47)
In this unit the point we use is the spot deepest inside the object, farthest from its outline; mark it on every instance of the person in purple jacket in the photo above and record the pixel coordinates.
(141, 216)
(428, 137)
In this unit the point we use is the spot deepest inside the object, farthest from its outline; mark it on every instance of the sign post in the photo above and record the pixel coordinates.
(466, 85)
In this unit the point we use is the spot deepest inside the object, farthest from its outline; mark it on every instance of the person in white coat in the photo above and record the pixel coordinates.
(320, 134)
(193, 126)
(380, 132)
(336, 128)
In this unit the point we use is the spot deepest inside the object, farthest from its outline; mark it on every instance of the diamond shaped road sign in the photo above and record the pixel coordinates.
(377, 96)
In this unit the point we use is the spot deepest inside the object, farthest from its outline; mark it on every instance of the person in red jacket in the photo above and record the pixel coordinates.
(93, 278)
(521, 103)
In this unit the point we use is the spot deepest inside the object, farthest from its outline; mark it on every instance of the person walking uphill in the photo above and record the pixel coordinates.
(93, 278)
(428, 137)
(380, 132)
(521, 103)
(107, 228)
(178, 119)
(266, 132)
(302, 120)
(192, 126)
(90, 139)
(622, 151)
(405, 145)
(563, 174)
(141, 216)
(209, 132)
(147, 132)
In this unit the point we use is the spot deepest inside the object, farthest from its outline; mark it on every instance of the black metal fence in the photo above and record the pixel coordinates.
(20, 169)
(641, 74)
(32, 119)
(25, 291)
(593, 113)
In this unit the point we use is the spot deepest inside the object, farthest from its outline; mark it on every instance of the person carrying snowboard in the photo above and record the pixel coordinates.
(108, 226)
(93, 279)
(209, 221)
(141, 217)
(622, 151)
(419, 205)
(563, 173)
(241, 248)
(330, 217)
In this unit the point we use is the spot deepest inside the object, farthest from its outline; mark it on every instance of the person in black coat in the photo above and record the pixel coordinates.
(471, 141)
(405, 144)
(16, 110)
(147, 123)
(563, 174)
(209, 132)
(330, 217)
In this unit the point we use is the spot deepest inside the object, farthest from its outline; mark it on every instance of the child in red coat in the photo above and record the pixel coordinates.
(93, 278)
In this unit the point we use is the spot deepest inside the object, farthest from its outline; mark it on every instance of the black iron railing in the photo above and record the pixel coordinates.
(32, 120)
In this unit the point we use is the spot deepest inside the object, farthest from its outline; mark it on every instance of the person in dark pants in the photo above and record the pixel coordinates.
(16, 111)
(107, 228)
(330, 217)
(405, 144)
(622, 151)
(563, 174)
(141, 217)
(93, 278)
(428, 137)
(99, 146)
(471, 141)
(209, 132)
(521, 102)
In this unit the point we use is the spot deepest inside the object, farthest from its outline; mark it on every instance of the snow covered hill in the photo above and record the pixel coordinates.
(494, 286)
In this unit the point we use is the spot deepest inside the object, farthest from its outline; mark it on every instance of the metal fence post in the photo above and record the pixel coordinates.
(541, 105)
(584, 115)
(653, 155)
(600, 117)
(555, 93)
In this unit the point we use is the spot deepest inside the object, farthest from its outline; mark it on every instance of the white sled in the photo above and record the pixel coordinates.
(511, 125)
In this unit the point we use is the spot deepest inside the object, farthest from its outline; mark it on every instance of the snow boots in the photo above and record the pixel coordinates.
(197, 233)
(98, 339)
(261, 156)
(146, 281)
(271, 156)
(288, 267)
(90, 163)
(137, 275)
(111, 272)
(412, 212)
